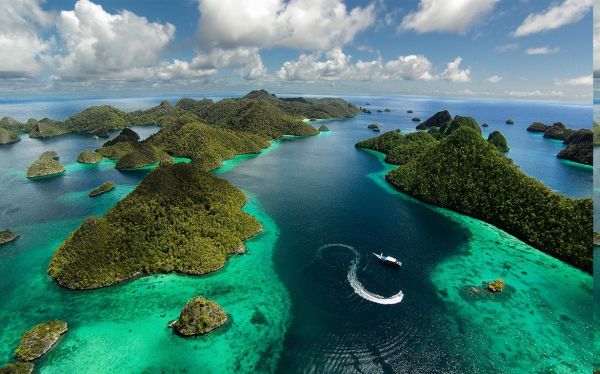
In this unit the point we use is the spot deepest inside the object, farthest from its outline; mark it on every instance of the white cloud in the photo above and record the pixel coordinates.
(298, 24)
(99, 45)
(542, 51)
(494, 79)
(454, 73)
(585, 80)
(20, 42)
(336, 65)
(535, 94)
(411, 67)
(444, 15)
(556, 16)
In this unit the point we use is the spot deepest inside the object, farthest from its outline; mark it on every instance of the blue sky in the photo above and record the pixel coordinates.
(520, 49)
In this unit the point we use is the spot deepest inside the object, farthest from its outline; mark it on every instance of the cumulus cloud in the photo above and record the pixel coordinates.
(585, 80)
(556, 16)
(20, 42)
(336, 65)
(542, 51)
(450, 16)
(298, 24)
(454, 73)
(97, 44)
(494, 79)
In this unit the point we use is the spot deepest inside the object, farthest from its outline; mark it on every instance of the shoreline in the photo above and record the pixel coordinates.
(389, 167)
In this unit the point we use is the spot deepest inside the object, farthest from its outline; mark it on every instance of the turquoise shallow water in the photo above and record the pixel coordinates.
(130, 320)
(524, 329)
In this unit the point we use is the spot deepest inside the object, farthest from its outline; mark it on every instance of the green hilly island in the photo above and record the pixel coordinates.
(463, 172)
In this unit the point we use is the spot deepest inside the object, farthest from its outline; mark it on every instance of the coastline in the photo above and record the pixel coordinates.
(487, 256)
(448, 212)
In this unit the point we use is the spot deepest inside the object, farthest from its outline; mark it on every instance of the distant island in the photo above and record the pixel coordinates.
(282, 113)
(455, 168)
(579, 142)
(181, 218)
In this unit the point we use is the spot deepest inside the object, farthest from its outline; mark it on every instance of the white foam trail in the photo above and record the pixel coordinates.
(358, 288)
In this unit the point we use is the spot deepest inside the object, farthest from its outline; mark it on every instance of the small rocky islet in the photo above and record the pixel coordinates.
(8, 137)
(375, 127)
(198, 317)
(7, 236)
(45, 166)
(89, 157)
(103, 188)
(323, 128)
(39, 340)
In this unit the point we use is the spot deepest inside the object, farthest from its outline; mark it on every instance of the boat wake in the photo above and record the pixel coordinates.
(358, 288)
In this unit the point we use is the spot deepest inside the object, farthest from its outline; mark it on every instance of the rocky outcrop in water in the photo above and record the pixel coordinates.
(103, 188)
(375, 127)
(510, 122)
(437, 120)
(44, 166)
(323, 128)
(50, 154)
(89, 157)
(8, 137)
(416, 119)
(7, 236)
(580, 147)
(39, 340)
(558, 131)
(126, 135)
(496, 286)
(537, 127)
(198, 317)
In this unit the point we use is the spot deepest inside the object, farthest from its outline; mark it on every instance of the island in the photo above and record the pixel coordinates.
(103, 188)
(416, 119)
(100, 120)
(510, 122)
(437, 120)
(198, 317)
(497, 139)
(50, 154)
(8, 136)
(580, 147)
(409, 111)
(387, 110)
(485, 125)
(7, 236)
(579, 143)
(89, 157)
(459, 170)
(39, 340)
(323, 128)
(375, 127)
(496, 285)
(45, 166)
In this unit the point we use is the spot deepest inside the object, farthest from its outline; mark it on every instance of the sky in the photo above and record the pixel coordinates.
(518, 49)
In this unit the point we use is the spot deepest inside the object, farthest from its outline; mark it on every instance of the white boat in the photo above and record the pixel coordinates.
(388, 260)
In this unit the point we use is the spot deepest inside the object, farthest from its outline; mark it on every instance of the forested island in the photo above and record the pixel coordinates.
(258, 112)
(579, 143)
(181, 218)
(454, 167)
